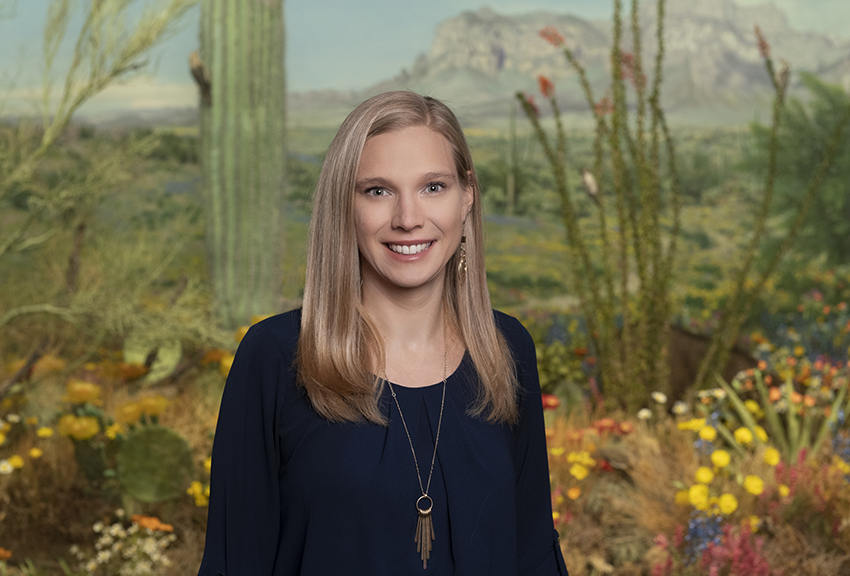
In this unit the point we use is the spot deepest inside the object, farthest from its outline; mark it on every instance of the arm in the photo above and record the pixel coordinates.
(244, 511)
(538, 547)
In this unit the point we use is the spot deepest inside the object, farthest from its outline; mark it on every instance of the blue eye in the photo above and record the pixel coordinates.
(435, 187)
(377, 192)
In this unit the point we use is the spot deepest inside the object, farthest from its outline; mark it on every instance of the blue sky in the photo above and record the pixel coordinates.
(340, 44)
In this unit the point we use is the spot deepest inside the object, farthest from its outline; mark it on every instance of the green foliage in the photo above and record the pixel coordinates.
(154, 464)
(805, 133)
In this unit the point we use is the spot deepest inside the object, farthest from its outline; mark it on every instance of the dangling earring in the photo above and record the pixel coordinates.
(461, 263)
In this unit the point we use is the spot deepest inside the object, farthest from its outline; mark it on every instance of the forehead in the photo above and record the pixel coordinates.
(415, 148)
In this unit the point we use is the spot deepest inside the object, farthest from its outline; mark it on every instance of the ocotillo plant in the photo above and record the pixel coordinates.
(240, 72)
(631, 362)
(750, 283)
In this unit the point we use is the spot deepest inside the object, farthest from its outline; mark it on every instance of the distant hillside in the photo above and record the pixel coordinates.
(713, 71)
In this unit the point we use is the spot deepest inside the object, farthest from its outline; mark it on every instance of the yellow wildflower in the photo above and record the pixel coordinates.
(44, 432)
(113, 430)
(784, 490)
(754, 485)
(208, 465)
(556, 516)
(80, 392)
(799, 351)
(557, 451)
(36, 453)
(16, 461)
(574, 492)
(579, 471)
(65, 424)
(84, 428)
(771, 456)
(720, 458)
(31, 421)
(582, 458)
(708, 433)
(698, 496)
(752, 522)
(704, 475)
(682, 498)
(727, 504)
(224, 364)
(154, 405)
(128, 413)
(694, 424)
(761, 433)
(2, 438)
(743, 436)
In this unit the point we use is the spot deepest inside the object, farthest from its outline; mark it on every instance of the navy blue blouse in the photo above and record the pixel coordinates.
(292, 493)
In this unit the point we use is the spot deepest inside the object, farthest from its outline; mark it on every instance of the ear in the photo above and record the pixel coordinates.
(468, 195)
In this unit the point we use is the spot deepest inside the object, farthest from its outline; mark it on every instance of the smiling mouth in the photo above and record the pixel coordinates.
(409, 249)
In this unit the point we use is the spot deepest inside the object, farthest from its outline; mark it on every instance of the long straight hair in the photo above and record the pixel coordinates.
(338, 341)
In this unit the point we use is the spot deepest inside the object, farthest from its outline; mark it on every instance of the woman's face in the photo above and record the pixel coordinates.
(409, 208)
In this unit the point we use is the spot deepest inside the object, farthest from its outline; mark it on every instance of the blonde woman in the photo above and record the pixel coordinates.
(393, 425)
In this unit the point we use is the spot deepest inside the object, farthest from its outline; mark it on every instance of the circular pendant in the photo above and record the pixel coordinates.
(420, 507)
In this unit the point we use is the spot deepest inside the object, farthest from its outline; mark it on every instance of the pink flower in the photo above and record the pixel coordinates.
(552, 36)
(547, 87)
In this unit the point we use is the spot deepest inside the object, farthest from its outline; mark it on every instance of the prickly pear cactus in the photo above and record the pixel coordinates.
(154, 464)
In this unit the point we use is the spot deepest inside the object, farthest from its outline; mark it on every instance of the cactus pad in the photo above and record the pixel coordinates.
(154, 464)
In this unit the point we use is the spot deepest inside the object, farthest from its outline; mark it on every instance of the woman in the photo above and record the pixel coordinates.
(393, 425)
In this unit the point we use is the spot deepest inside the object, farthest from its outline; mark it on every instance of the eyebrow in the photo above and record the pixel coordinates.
(427, 177)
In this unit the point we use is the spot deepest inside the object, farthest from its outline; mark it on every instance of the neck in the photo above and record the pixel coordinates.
(408, 320)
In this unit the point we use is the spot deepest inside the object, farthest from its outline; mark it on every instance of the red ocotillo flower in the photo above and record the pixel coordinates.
(552, 36)
(764, 47)
(604, 107)
(547, 87)
(530, 101)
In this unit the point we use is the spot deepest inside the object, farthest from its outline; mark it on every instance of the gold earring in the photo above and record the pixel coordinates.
(461, 264)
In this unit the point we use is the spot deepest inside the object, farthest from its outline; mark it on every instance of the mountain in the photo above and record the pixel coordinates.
(713, 70)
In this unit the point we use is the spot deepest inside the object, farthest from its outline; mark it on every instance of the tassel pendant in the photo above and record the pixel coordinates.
(424, 530)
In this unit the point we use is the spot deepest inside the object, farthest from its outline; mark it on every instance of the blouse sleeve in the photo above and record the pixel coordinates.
(538, 545)
(244, 508)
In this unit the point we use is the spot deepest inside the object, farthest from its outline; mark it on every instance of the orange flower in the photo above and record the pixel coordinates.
(47, 364)
(213, 356)
(581, 351)
(133, 370)
(626, 428)
(796, 397)
(151, 522)
(826, 310)
(573, 493)
(5, 554)
(808, 400)
(550, 401)
(547, 87)
(552, 36)
(762, 365)
(775, 394)
(764, 47)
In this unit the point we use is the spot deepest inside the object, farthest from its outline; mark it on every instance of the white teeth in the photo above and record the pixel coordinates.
(405, 249)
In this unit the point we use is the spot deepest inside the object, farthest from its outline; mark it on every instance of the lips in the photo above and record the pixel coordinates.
(409, 249)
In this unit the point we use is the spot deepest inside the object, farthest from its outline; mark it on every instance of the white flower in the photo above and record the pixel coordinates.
(91, 566)
(103, 556)
(74, 549)
(659, 397)
(104, 540)
(117, 546)
(119, 513)
(680, 407)
(13, 418)
(5, 467)
(98, 526)
(644, 414)
(719, 393)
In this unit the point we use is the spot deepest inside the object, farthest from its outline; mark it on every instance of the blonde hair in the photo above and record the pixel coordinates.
(338, 341)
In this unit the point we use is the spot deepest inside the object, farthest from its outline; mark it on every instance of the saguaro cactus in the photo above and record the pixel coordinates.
(240, 72)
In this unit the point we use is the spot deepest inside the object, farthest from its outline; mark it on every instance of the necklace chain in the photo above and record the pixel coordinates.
(439, 422)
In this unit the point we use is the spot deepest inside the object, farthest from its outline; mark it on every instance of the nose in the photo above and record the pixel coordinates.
(407, 212)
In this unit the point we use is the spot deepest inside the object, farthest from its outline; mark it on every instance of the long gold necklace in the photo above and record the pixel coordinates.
(424, 504)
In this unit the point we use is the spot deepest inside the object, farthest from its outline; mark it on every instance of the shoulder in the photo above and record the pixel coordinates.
(517, 337)
(279, 331)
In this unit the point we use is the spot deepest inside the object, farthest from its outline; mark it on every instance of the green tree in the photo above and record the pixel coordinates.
(803, 136)
(240, 72)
